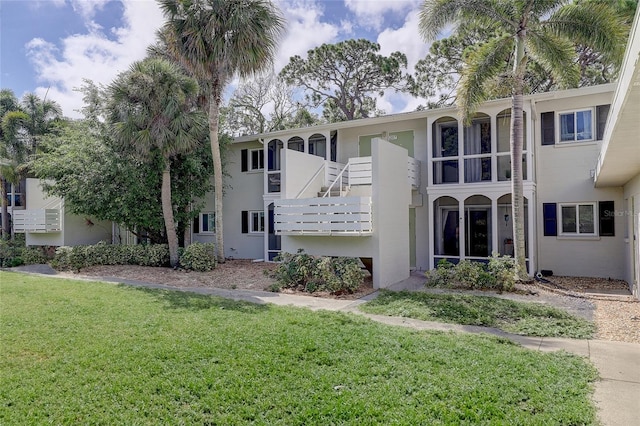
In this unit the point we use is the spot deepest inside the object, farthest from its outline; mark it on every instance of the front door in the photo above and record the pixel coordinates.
(477, 233)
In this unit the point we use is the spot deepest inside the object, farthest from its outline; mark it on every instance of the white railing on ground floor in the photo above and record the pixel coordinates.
(323, 216)
(36, 220)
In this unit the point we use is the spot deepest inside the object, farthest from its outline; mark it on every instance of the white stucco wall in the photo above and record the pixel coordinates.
(76, 229)
(391, 199)
(298, 169)
(243, 192)
(348, 147)
(564, 175)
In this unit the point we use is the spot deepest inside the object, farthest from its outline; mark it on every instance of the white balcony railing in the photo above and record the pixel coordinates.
(323, 216)
(36, 221)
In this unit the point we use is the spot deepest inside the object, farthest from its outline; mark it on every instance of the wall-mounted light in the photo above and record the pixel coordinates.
(506, 220)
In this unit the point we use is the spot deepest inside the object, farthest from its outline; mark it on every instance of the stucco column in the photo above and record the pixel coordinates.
(462, 225)
(391, 196)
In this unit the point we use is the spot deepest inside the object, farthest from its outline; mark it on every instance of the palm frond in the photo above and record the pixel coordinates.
(483, 65)
(593, 24)
(436, 14)
(556, 55)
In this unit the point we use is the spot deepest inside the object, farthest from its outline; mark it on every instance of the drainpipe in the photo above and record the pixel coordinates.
(533, 221)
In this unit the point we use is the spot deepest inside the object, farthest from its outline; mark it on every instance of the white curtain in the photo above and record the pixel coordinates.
(473, 145)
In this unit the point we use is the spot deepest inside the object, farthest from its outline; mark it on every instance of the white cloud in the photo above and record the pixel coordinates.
(93, 55)
(304, 30)
(372, 13)
(88, 8)
(407, 40)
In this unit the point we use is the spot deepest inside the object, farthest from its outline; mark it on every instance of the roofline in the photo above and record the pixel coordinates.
(602, 88)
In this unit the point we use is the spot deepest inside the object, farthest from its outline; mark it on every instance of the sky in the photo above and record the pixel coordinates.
(50, 46)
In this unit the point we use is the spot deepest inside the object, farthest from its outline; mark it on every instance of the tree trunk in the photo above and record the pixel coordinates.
(517, 142)
(6, 232)
(214, 114)
(167, 212)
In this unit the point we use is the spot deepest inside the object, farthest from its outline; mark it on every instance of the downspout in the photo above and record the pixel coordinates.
(534, 155)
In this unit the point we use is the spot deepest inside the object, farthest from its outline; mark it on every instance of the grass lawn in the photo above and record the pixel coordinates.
(96, 353)
(529, 319)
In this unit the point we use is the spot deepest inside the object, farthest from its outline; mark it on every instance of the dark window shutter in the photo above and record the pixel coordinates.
(550, 214)
(245, 222)
(244, 160)
(548, 122)
(602, 112)
(196, 225)
(607, 215)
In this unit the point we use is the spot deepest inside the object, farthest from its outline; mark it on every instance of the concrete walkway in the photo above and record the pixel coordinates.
(617, 393)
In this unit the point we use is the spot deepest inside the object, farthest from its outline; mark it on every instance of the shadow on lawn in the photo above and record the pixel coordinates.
(177, 299)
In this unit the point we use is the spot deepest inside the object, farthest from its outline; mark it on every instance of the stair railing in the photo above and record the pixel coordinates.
(340, 178)
(316, 174)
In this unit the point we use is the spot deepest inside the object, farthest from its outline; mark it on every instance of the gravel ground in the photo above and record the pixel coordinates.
(616, 314)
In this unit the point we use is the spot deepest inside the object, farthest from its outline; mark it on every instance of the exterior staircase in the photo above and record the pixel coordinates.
(335, 191)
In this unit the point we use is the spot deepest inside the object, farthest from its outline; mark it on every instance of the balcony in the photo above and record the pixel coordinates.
(323, 216)
(37, 221)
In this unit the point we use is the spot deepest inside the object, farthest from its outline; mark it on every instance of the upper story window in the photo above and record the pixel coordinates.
(318, 145)
(257, 159)
(296, 143)
(576, 125)
(580, 125)
(445, 137)
(252, 159)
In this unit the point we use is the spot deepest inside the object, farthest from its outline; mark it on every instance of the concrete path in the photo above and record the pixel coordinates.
(617, 393)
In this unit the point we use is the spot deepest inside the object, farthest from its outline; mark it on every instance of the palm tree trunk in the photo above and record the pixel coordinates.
(517, 142)
(214, 115)
(167, 212)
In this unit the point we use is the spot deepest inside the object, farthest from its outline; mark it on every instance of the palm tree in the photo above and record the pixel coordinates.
(152, 108)
(215, 40)
(544, 31)
(22, 125)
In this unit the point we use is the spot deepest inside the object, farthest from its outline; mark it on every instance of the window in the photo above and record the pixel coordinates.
(252, 222)
(257, 159)
(576, 126)
(252, 159)
(257, 221)
(578, 219)
(207, 223)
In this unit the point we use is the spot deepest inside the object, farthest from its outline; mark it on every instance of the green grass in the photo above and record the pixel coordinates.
(96, 353)
(529, 319)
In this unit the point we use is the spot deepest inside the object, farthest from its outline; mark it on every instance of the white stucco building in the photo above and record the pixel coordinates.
(406, 190)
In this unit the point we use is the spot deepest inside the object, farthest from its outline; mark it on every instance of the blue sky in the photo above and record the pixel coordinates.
(50, 46)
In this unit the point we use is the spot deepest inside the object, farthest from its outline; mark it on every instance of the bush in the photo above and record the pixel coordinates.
(34, 256)
(497, 274)
(10, 253)
(308, 273)
(79, 257)
(199, 257)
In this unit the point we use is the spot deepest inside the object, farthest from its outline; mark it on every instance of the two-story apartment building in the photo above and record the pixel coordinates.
(406, 190)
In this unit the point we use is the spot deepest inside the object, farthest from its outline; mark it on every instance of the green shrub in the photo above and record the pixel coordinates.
(34, 256)
(199, 257)
(10, 252)
(308, 273)
(79, 257)
(497, 274)
(442, 275)
(503, 269)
